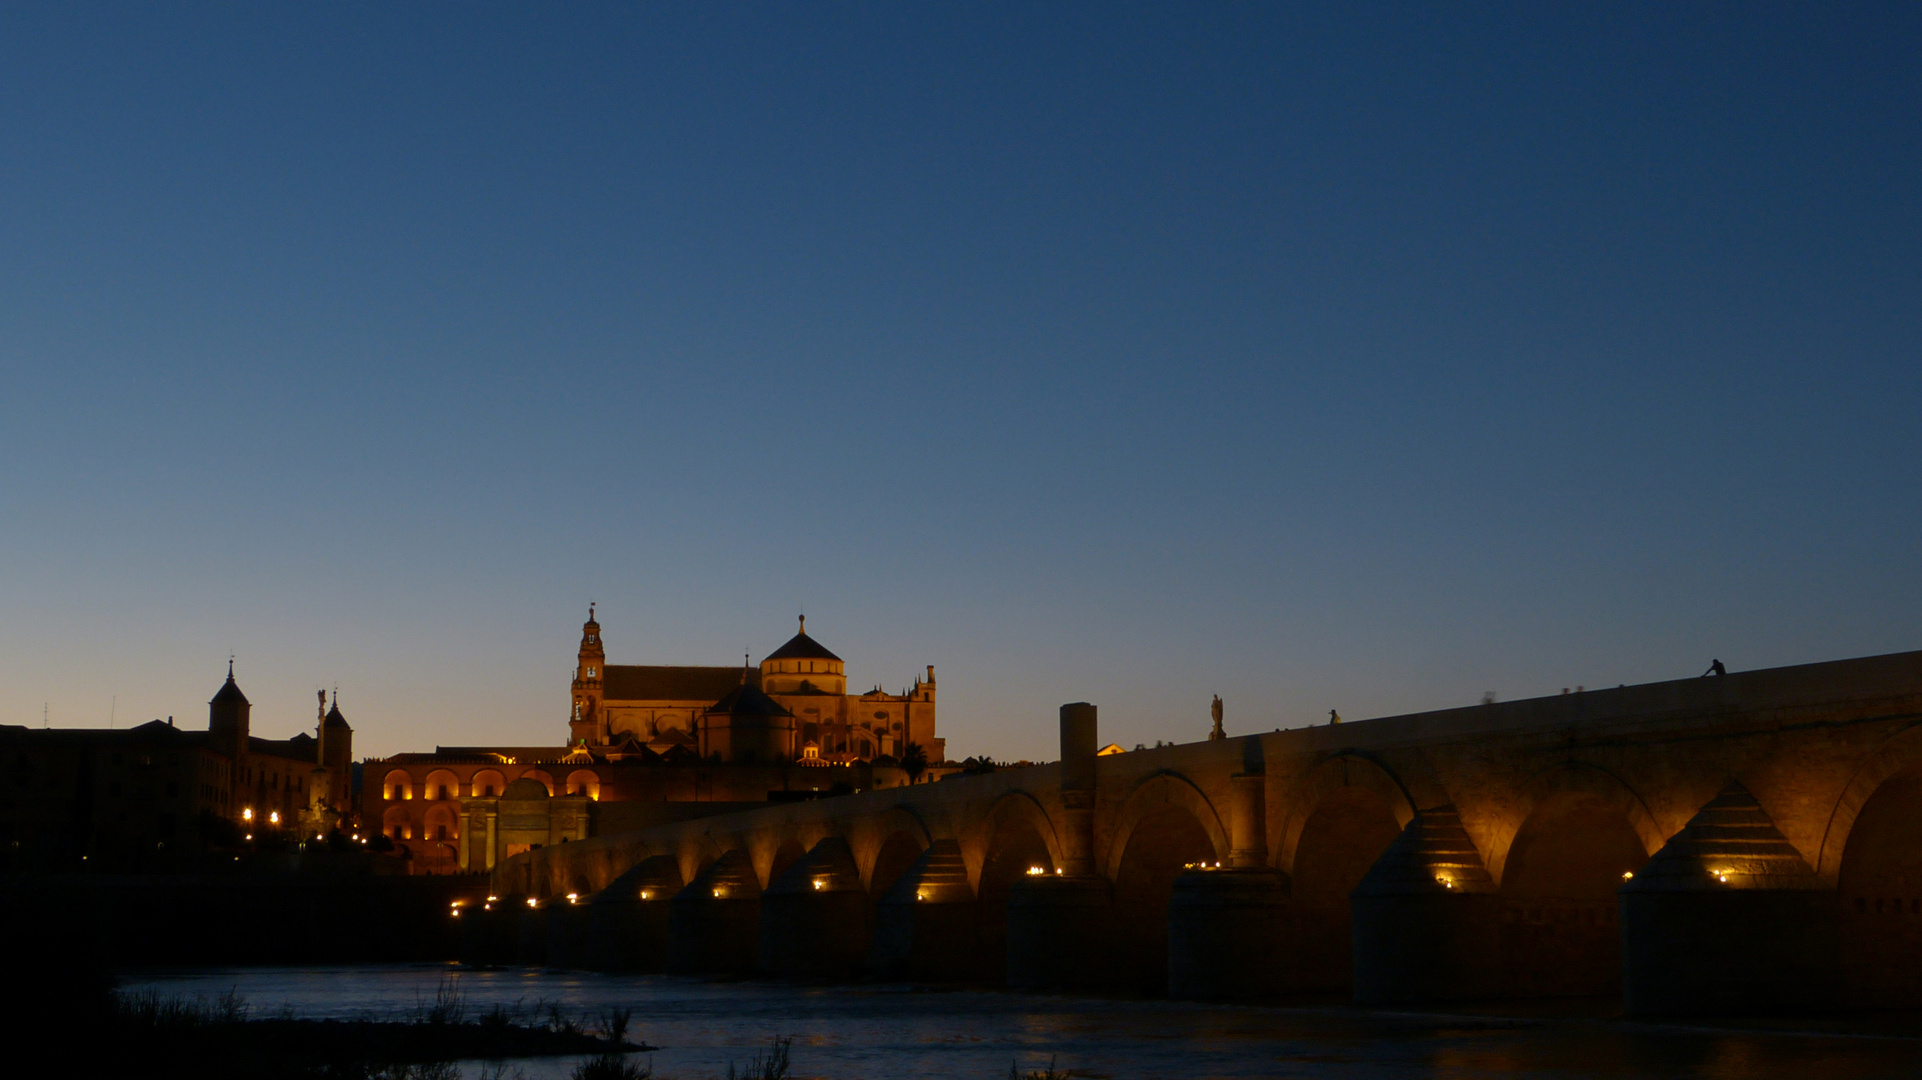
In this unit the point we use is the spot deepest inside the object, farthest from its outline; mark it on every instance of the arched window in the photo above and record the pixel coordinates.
(441, 785)
(442, 822)
(584, 782)
(536, 774)
(398, 785)
(488, 783)
(396, 824)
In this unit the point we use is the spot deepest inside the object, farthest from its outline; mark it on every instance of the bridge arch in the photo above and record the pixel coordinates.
(787, 852)
(1898, 753)
(1875, 832)
(1343, 815)
(1583, 830)
(1332, 775)
(1009, 814)
(1155, 795)
(1015, 836)
(697, 852)
(894, 843)
(1165, 825)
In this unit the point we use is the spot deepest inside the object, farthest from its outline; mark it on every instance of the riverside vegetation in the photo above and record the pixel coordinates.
(159, 1036)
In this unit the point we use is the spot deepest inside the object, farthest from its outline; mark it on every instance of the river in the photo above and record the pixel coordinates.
(875, 1032)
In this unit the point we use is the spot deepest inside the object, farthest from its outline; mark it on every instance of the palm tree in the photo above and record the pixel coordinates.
(914, 761)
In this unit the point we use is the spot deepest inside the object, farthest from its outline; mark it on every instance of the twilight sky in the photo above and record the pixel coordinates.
(1317, 359)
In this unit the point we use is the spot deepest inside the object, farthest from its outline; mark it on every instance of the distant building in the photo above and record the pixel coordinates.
(653, 743)
(144, 796)
(794, 706)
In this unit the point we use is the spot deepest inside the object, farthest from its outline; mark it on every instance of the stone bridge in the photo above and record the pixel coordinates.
(1743, 842)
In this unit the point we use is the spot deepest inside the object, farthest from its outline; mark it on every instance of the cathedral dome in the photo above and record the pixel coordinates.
(802, 647)
(803, 666)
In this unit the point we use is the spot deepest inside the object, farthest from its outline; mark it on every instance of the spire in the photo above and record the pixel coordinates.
(230, 667)
(590, 611)
(804, 624)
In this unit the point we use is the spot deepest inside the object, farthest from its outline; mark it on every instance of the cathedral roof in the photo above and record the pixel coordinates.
(660, 682)
(335, 720)
(746, 699)
(802, 647)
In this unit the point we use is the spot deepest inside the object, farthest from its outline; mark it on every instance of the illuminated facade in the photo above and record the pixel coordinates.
(649, 744)
(794, 706)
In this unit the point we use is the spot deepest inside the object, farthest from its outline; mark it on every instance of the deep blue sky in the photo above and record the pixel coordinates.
(1312, 358)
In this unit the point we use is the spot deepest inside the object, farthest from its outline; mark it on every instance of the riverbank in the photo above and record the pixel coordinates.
(152, 1033)
(886, 1031)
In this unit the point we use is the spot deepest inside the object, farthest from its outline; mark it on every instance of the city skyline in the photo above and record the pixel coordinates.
(1315, 359)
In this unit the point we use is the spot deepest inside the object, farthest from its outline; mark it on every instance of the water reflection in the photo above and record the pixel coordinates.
(869, 1033)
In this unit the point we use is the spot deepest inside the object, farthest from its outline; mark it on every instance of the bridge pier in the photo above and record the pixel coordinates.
(567, 924)
(1059, 924)
(1728, 918)
(1427, 920)
(530, 933)
(1228, 932)
(1228, 928)
(627, 921)
(927, 925)
(490, 932)
(816, 918)
(714, 924)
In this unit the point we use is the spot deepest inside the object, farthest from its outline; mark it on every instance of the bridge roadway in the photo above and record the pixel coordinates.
(1740, 843)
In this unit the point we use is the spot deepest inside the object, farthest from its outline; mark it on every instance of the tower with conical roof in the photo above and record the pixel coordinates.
(229, 715)
(590, 674)
(337, 751)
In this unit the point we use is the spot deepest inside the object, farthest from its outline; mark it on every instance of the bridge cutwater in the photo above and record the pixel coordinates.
(1737, 843)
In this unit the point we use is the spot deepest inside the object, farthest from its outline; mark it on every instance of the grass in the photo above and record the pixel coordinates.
(150, 1035)
(772, 1066)
(1049, 1073)
(612, 1067)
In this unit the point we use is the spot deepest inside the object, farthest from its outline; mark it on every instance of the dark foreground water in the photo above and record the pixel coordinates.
(868, 1033)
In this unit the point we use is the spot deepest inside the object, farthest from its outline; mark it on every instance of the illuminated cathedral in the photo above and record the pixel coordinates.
(794, 706)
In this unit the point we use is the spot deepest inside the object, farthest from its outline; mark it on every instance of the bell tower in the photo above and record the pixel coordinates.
(590, 672)
(228, 716)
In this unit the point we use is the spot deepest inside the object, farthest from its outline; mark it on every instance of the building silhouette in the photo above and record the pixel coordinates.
(147, 796)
